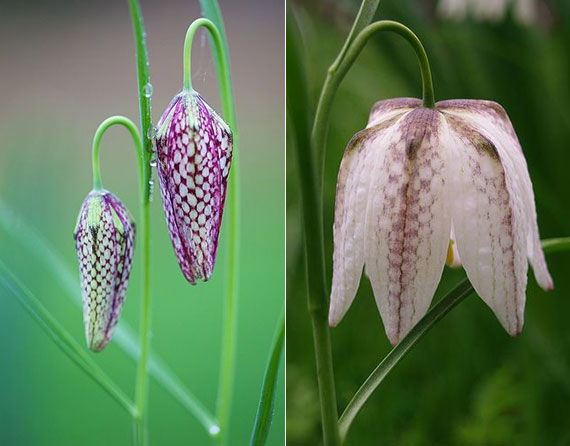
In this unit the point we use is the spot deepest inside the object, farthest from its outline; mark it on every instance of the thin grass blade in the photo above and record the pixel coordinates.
(267, 399)
(62, 338)
(124, 337)
(440, 309)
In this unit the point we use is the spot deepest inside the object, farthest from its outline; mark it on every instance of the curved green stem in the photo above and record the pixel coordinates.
(341, 66)
(215, 25)
(456, 295)
(144, 234)
(267, 399)
(132, 128)
(216, 39)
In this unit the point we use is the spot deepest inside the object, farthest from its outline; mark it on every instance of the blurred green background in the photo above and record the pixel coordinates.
(467, 382)
(64, 67)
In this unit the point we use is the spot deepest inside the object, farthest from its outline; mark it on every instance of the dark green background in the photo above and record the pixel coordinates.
(467, 382)
(65, 67)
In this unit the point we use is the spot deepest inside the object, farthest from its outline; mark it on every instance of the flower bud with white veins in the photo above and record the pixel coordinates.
(104, 240)
(194, 152)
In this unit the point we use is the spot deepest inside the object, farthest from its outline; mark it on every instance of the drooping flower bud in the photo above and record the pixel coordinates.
(104, 239)
(420, 187)
(194, 151)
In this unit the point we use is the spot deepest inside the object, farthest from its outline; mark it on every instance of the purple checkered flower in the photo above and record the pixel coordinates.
(104, 239)
(194, 151)
(421, 186)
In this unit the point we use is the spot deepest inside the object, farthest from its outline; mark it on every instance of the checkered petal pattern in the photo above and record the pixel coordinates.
(104, 239)
(194, 152)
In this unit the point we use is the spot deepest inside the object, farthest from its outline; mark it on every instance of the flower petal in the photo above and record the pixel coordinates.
(169, 137)
(407, 222)
(354, 177)
(491, 120)
(489, 221)
(125, 244)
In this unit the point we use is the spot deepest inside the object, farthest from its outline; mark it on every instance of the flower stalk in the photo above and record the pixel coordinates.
(141, 385)
(214, 25)
(459, 293)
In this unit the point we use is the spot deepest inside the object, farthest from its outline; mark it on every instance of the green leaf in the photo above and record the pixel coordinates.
(62, 338)
(124, 336)
(440, 309)
(267, 399)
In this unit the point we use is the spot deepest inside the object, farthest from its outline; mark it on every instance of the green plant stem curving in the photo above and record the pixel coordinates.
(62, 338)
(132, 128)
(267, 399)
(312, 187)
(340, 68)
(145, 92)
(214, 24)
(216, 39)
(438, 311)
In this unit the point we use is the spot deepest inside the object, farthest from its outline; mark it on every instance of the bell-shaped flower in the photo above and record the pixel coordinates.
(420, 186)
(194, 152)
(104, 240)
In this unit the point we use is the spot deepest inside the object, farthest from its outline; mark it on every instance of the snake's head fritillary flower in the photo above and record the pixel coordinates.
(104, 239)
(194, 152)
(419, 187)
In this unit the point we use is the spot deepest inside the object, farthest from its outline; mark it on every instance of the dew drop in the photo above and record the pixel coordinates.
(150, 189)
(151, 132)
(148, 90)
(214, 430)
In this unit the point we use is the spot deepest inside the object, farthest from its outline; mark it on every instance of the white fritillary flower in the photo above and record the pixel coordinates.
(420, 186)
(524, 11)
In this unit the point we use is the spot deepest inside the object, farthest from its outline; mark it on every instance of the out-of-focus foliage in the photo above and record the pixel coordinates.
(467, 382)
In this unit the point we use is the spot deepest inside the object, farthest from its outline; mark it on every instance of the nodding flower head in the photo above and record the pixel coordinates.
(104, 239)
(194, 151)
(421, 186)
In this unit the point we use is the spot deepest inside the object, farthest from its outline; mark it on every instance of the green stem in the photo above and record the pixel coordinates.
(456, 295)
(551, 245)
(215, 25)
(145, 92)
(460, 292)
(142, 369)
(312, 187)
(124, 337)
(340, 68)
(144, 235)
(313, 237)
(131, 127)
(63, 339)
(267, 398)
(363, 18)
(216, 39)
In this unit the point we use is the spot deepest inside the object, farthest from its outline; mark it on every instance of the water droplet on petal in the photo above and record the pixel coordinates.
(151, 132)
(150, 189)
(148, 90)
